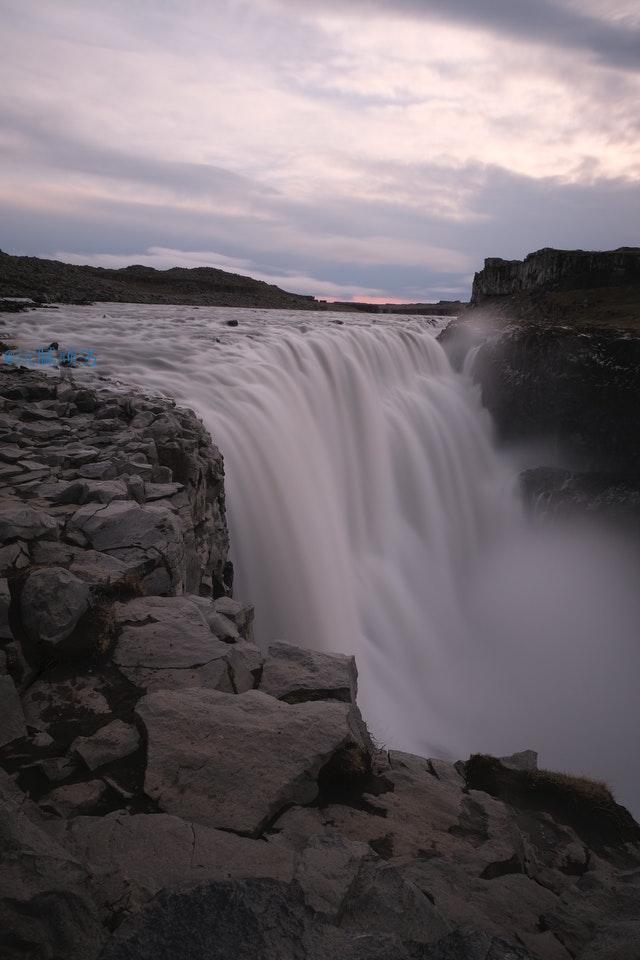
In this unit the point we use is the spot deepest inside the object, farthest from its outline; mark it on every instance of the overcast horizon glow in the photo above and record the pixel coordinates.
(368, 149)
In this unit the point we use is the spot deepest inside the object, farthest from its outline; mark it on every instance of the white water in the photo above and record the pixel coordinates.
(370, 514)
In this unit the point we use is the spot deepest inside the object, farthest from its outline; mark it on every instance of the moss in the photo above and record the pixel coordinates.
(586, 805)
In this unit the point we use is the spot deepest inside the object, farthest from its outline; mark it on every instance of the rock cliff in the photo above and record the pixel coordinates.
(550, 269)
(168, 790)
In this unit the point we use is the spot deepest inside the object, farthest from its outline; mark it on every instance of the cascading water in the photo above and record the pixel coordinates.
(371, 514)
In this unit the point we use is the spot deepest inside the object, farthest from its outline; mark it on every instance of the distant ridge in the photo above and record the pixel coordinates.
(51, 281)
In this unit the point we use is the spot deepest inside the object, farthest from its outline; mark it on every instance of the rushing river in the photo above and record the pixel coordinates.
(370, 513)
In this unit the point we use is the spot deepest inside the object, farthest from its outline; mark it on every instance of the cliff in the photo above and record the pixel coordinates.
(557, 357)
(169, 790)
(579, 287)
(51, 281)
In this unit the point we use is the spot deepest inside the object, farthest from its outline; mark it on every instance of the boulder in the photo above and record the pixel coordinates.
(75, 698)
(247, 919)
(236, 761)
(123, 524)
(19, 522)
(51, 604)
(75, 798)
(5, 603)
(524, 760)
(165, 643)
(112, 742)
(45, 912)
(294, 674)
(12, 724)
(133, 857)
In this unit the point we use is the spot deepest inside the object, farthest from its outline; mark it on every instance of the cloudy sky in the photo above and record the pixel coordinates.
(345, 148)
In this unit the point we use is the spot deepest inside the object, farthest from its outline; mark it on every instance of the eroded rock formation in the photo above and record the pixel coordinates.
(169, 790)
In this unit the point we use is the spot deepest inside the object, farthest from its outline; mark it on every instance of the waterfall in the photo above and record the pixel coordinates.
(371, 513)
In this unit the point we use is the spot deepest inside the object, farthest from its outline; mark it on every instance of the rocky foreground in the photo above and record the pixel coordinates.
(169, 790)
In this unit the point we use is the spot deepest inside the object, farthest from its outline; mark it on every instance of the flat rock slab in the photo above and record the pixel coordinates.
(166, 643)
(134, 857)
(295, 675)
(18, 522)
(112, 742)
(123, 523)
(235, 761)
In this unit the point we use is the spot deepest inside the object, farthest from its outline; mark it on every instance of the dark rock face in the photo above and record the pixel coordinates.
(168, 790)
(578, 388)
(550, 269)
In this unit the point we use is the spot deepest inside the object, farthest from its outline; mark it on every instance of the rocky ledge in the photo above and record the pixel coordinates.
(170, 790)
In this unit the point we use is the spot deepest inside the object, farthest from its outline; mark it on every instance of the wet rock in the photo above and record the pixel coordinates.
(12, 724)
(294, 674)
(112, 742)
(207, 750)
(51, 603)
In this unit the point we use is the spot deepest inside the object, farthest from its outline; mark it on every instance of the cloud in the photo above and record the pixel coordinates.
(614, 40)
(367, 148)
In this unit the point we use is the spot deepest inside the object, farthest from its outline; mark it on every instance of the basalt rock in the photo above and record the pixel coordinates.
(169, 789)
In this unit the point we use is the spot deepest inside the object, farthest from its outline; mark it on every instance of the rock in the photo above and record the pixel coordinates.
(207, 750)
(45, 431)
(18, 522)
(15, 556)
(245, 664)
(113, 742)
(51, 604)
(243, 919)
(241, 613)
(159, 491)
(122, 524)
(525, 760)
(12, 725)
(5, 603)
(136, 488)
(52, 701)
(57, 768)
(101, 470)
(135, 857)
(45, 912)
(381, 900)
(469, 944)
(165, 643)
(75, 798)
(327, 869)
(294, 674)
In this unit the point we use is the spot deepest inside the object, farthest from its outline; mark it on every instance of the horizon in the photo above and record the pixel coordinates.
(370, 151)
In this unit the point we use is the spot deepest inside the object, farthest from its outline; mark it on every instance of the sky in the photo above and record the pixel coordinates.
(350, 149)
